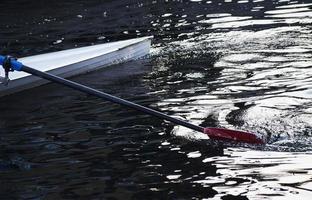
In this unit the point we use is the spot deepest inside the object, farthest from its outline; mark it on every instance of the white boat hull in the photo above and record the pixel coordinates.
(72, 62)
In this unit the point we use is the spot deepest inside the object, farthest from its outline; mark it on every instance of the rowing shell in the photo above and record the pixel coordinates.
(76, 61)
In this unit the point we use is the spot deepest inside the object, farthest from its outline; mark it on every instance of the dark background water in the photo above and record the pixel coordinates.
(233, 64)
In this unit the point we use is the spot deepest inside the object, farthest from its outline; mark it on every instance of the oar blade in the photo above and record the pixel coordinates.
(233, 135)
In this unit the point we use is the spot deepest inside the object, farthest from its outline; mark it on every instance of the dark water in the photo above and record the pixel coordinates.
(233, 64)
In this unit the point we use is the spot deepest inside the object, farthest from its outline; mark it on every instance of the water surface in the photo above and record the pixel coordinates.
(233, 64)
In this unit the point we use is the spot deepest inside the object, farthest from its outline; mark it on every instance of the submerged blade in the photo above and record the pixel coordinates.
(238, 136)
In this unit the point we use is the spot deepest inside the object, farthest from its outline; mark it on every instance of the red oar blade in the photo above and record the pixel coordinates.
(238, 136)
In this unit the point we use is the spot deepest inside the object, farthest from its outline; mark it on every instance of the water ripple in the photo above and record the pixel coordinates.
(262, 175)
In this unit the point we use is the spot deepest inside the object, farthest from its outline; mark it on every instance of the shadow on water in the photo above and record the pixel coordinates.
(233, 64)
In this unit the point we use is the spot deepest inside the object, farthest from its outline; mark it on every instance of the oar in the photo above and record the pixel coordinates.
(11, 64)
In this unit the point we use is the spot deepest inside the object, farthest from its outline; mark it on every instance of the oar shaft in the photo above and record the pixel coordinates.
(109, 97)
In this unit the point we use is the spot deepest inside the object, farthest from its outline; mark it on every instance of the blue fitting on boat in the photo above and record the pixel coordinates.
(1, 59)
(15, 65)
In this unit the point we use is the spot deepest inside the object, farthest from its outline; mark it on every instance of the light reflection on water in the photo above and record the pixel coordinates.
(266, 70)
(262, 174)
(263, 85)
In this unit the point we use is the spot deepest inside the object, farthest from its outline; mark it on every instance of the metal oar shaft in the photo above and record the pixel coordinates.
(108, 97)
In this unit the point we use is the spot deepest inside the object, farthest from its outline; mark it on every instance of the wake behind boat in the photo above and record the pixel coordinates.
(76, 61)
